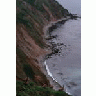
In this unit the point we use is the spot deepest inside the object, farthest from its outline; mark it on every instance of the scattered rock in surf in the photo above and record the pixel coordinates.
(51, 37)
(48, 56)
(65, 45)
(56, 51)
(69, 86)
(59, 44)
(60, 73)
(54, 65)
(74, 16)
(73, 83)
(52, 28)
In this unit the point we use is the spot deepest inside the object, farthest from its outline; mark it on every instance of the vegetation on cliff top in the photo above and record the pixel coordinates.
(32, 89)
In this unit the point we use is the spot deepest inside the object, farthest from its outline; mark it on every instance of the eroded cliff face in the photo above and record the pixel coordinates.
(27, 54)
(31, 17)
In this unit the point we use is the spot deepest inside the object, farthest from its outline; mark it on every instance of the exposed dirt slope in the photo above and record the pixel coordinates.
(31, 16)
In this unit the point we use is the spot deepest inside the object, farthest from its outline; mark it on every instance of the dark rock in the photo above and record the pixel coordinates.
(60, 73)
(56, 50)
(73, 84)
(53, 65)
(51, 37)
(73, 16)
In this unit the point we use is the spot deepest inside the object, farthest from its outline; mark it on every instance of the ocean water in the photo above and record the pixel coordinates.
(66, 66)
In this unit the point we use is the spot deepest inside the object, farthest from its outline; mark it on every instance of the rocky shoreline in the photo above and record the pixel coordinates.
(52, 50)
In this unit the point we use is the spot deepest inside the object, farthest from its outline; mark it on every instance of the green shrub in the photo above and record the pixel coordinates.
(32, 90)
(28, 70)
(22, 94)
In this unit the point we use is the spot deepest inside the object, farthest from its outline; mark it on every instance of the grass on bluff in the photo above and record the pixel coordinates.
(32, 90)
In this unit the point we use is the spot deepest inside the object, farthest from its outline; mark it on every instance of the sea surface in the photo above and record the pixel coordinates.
(66, 66)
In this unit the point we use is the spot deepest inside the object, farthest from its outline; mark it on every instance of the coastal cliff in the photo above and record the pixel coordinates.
(31, 18)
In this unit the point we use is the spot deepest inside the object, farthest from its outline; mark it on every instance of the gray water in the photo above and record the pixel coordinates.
(66, 67)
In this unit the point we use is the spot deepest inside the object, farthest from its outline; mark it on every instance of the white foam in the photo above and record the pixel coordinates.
(67, 91)
(48, 71)
(50, 74)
